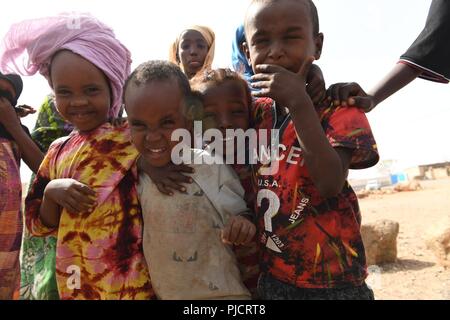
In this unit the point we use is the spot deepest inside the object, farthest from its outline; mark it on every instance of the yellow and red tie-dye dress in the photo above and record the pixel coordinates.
(98, 253)
(10, 218)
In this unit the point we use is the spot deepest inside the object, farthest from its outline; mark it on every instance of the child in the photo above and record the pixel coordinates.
(15, 143)
(193, 50)
(309, 220)
(84, 192)
(227, 104)
(427, 58)
(315, 81)
(182, 242)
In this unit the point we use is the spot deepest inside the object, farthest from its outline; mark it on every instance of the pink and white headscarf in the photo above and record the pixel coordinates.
(28, 47)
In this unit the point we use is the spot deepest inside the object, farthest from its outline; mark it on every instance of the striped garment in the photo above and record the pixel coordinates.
(10, 218)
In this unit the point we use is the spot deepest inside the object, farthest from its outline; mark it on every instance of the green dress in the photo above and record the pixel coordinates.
(38, 278)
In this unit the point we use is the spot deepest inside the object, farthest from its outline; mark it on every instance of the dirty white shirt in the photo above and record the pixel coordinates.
(182, 245)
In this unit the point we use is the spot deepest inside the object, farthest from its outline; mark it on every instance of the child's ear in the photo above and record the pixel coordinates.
(319, 45)
(244, 48)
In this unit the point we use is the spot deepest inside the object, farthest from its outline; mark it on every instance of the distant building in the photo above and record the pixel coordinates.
(429, 171)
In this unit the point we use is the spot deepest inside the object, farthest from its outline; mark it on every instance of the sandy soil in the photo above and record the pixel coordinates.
(416, 274)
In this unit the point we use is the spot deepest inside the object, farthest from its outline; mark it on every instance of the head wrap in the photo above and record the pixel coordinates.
(28, 47)
(210, 39)
(238, 58)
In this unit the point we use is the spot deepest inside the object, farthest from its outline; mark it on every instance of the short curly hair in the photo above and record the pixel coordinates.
(158, 70)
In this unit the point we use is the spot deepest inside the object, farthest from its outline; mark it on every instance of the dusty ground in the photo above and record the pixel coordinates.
(416, 274)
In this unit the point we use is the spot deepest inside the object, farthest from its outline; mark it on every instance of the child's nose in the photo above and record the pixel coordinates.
(152, 136)
(276, 50)
(193, 51)
(78, 102)
(225, 123)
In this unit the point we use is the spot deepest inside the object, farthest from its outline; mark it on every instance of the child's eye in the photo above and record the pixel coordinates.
(62, 93)
(92, 90)
(168, 123)
(137, 126)
(238, 112)
(209, 115)
(293, 37)
(261, 41)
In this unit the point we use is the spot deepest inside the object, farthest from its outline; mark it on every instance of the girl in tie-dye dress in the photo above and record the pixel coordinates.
(84, 192)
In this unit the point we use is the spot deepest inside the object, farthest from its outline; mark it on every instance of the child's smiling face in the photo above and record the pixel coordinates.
(226, 106)
(281, 33)
(155, 110)
(82, 91)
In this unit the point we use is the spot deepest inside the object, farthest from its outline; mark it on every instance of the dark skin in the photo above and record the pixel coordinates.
(192, 52)
(281, 56)
(226, 107)
(30, 152)
(173, 178)
(154, 113)
(353, 95)
(82, 98)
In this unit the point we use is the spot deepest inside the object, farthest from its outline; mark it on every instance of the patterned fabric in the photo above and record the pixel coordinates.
(49, 125)
(37, 268)
(248, 256)
(310, 241)
(99, 253)
(10, 218)
(272, 289)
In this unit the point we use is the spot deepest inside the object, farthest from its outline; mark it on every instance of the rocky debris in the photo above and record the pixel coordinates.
(380, 241)
(437, 239)
(413, 185)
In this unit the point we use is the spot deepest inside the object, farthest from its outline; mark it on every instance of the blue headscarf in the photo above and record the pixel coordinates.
(238, 59)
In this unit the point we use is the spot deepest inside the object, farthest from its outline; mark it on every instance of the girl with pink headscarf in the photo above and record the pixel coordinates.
(84, 193)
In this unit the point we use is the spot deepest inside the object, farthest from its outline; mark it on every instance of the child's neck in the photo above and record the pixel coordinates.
(87, 132)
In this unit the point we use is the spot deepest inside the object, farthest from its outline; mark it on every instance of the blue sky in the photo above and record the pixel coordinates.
(363, 41)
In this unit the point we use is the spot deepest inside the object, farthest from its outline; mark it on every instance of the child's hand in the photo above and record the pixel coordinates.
(70, 194)
(168, 178)
(316, 84)
(239, 231)
(24, 110)
(285, 87)
(350, 94)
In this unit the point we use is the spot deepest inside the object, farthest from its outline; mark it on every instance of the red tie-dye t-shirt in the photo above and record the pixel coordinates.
(307, 240)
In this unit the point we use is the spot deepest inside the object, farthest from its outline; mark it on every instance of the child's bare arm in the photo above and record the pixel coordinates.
(168, 178)
(30, 152)
(352, 94)
(324, 163)
(70, 194)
